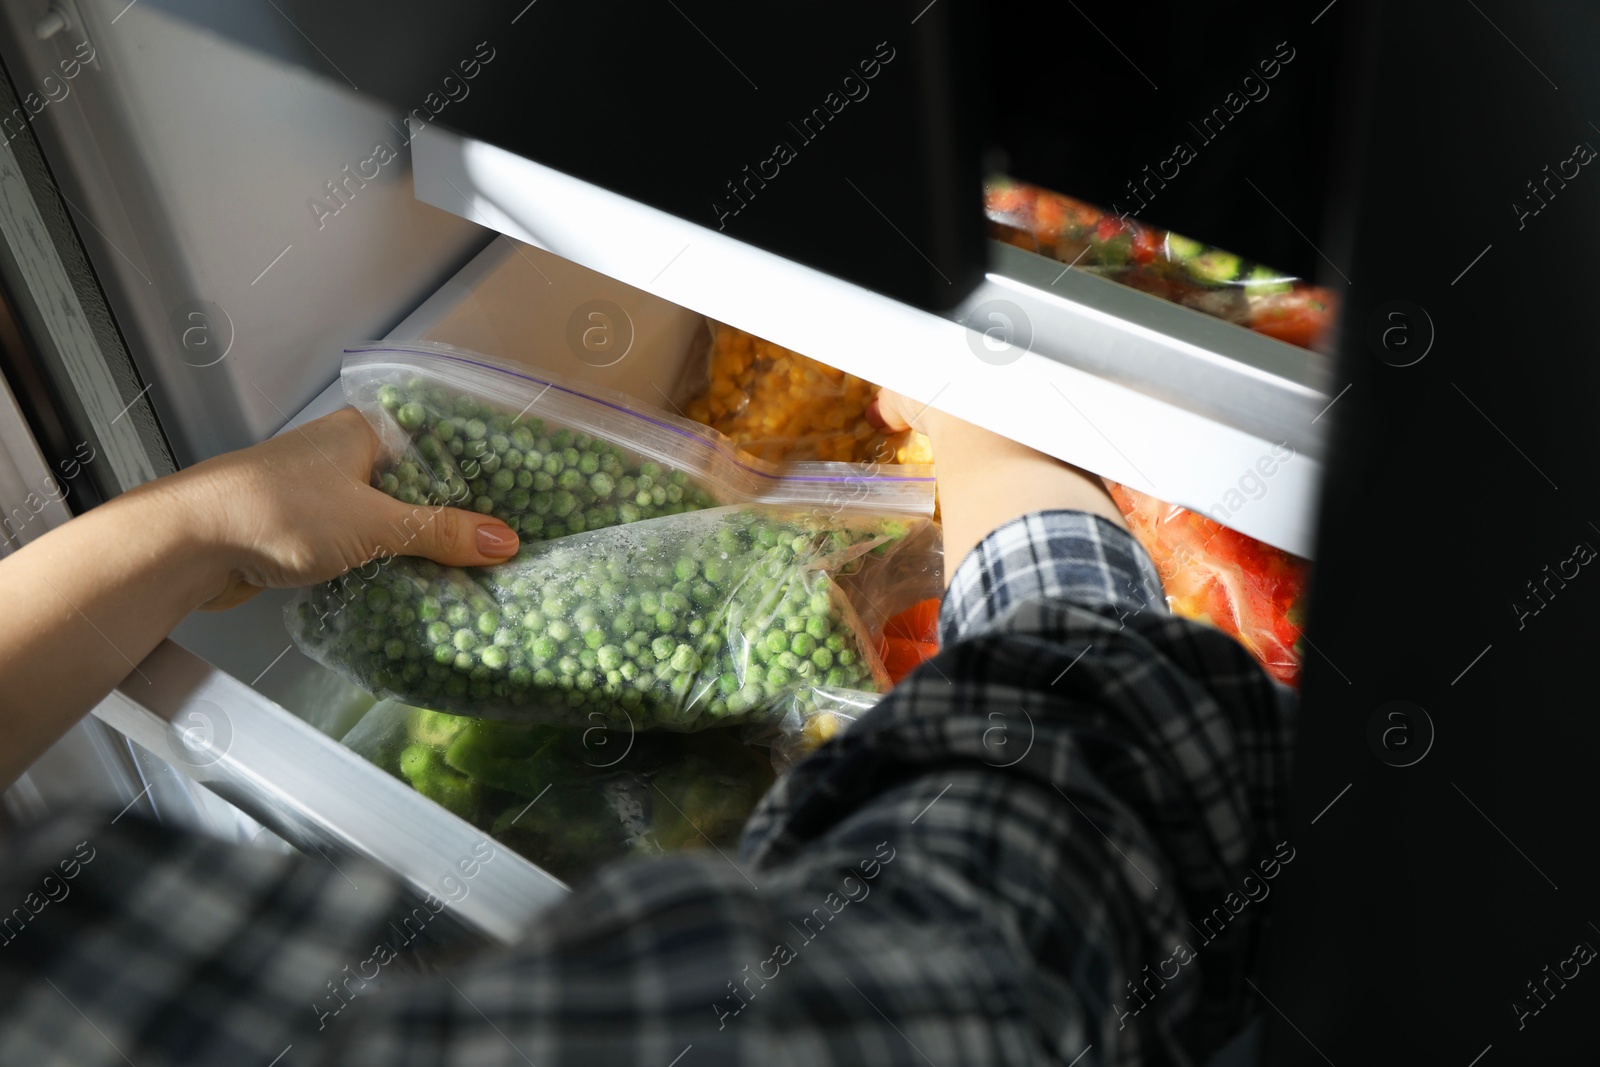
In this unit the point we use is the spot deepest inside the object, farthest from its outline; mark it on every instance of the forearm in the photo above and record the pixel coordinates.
(87, 602)
(986, 480)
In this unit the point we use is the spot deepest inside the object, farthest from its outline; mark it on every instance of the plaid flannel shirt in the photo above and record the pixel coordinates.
(1038, 849)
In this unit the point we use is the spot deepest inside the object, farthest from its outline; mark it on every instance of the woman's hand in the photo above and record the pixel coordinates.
(88, 601)
(298, 509)
(987, 479)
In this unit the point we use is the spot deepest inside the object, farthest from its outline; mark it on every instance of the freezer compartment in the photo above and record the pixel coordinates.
(523, 304)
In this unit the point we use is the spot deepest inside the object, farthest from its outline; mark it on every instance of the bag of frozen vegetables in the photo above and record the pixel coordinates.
(570, 799)
(628, 595)
(682, 622)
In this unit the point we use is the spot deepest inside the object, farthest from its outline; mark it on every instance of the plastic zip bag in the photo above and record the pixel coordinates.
(548, 456)
(807, 721)
(571, 799)
(683, 622)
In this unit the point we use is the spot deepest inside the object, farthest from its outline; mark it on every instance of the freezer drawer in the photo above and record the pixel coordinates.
(237, 676)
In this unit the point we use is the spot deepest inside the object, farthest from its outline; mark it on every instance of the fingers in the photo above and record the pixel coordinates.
(891, 412)
(449, 536)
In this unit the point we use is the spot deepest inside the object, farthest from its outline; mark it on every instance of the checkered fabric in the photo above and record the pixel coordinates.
(1039, 848)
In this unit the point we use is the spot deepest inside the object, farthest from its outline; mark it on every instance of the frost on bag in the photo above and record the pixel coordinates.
(682, 622)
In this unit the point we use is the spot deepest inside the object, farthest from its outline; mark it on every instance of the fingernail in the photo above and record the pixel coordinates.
(496, 541)
(874, 416)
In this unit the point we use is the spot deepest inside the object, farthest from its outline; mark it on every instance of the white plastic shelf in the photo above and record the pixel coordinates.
(1150, 394)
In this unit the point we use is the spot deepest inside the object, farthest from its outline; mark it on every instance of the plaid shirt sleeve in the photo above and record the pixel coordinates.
(1053, 843)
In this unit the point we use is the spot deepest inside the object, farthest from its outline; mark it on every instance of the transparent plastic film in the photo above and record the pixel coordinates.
(681, 622)
(550, 456)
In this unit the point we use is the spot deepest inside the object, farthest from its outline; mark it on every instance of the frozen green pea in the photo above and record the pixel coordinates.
(559, 629)
(817, 627)
(568, 665)
(834, 642)
(602, 484)
(438, 632)
(802, 644)
(822, 658)
(685, 658)
(776, 641)
(475, 428)
(544, 677)
(465, 640)
(594, 638)
(411, 416)
(588, 658)
(465, 661)
(390, 397)
(846, 657)
(562, 504)
(444, 654)
(663, 647)
(794, 624)
(787, 660)
(503, 480)
(495, 658)
(500, 443)
(609, 657)
(588, 463)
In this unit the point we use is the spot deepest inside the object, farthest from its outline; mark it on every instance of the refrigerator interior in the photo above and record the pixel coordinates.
(192, 168)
